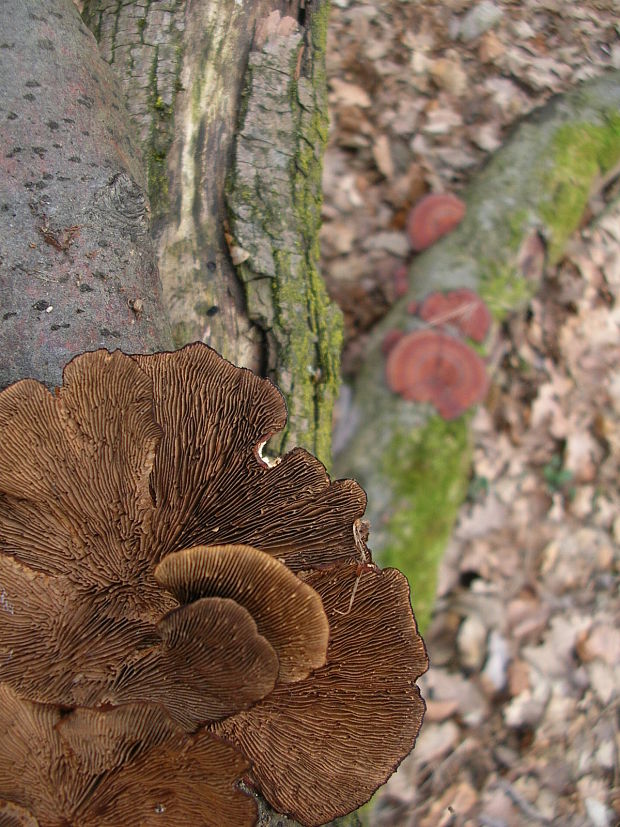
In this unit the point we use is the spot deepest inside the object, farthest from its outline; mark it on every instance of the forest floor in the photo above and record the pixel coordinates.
(524, 685)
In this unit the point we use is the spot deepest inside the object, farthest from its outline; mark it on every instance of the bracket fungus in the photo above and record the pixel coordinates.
(461, 308)
(177, 615)
(431, 366)
(432, 217)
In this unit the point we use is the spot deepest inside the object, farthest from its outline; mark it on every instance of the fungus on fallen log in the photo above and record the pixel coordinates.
(175, 613)
(390, 339)
(432, 217)
(431, 366)
(462, 309)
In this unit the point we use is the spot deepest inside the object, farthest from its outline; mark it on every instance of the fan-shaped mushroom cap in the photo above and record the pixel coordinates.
(460, 308)
(432, 217)
(133, 458)
(430, 366)
(322, 746)
(145, 550)
(288, 613)
(185, 661)
(208, 483)
(127, 766)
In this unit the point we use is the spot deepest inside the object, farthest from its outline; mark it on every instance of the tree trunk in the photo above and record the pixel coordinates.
(230, 102)
(77, 265)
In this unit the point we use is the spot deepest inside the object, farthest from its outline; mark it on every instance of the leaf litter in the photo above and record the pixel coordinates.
(524, 686)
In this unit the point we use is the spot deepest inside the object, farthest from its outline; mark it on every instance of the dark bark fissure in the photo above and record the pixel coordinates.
(192, 72)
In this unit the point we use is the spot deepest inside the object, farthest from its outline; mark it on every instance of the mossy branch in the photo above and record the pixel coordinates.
(521, 209)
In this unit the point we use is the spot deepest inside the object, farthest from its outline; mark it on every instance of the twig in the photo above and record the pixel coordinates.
(526, 808)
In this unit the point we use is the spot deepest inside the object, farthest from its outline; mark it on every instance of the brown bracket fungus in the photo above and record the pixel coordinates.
(176, 614)
(432, 217)
(462, 309)
(431, 366)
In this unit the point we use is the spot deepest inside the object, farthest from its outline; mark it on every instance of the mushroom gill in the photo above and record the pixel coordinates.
(130, 765)
(175, 614)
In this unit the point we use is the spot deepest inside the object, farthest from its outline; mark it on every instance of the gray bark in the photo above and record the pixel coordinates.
(233, 132)
(77, 264)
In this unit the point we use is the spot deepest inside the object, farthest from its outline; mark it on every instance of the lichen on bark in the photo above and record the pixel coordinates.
(274, 202)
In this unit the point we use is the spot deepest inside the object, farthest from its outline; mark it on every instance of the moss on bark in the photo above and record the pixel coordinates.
(274, 198)
(582, 152)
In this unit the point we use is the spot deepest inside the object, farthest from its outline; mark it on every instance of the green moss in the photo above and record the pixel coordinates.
(517, 223)
(160, 138)
(325, 319)
(503, 288)
(304, 326)
(428, 469)
(581, 152)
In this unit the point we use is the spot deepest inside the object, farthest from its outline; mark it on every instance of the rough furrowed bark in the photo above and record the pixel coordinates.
(274, 201)
(521, 209)
(183, 65)
(77, 266)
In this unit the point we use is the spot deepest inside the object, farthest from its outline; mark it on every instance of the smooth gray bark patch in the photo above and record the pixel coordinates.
(77, 267)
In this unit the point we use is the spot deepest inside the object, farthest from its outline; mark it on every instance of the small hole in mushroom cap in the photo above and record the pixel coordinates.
(267, 461)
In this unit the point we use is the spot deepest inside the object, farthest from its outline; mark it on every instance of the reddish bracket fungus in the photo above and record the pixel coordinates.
(401, 281)
(463, 309)
(390, 339)
(432, 217)
(431, 366)
(176, 615)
